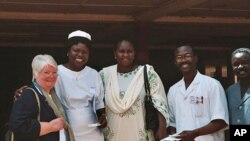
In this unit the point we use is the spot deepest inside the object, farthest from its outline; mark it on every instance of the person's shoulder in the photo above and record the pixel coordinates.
(172, 89)
(208, 78)
(60, 66)
(111, 66)
(62, 69)
(205, 77)
(175, 85)
(30, 89)
(210, 81)
(91, 70)
(28, 93)
(149, 66)
(107, 69)
(232, 87)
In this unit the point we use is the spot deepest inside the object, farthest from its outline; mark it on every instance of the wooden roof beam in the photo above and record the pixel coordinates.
(117, 18)
(204, 20)
(167, 8)
(64, 17)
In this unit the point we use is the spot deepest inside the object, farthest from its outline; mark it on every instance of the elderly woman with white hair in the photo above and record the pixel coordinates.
(25, 114)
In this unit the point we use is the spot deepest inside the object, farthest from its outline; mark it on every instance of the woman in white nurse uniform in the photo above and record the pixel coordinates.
(80, 90)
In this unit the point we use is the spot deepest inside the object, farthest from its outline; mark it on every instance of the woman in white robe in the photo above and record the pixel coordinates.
(80, 90)
(124, 97)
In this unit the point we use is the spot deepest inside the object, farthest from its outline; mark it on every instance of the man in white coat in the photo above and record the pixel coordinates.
(197, 103)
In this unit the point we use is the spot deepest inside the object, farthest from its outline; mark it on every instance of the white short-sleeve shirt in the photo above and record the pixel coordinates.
(203, 101)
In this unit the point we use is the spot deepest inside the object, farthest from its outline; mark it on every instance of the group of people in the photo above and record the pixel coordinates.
(77, 103)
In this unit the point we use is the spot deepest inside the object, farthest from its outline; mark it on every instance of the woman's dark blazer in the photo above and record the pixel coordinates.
(23, 117)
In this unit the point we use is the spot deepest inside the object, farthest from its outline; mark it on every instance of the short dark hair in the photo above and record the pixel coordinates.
(117, 44)
(189, 46)
(75, 40)
(241, 50)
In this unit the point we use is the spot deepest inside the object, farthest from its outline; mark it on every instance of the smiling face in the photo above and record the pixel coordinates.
(185, 59)
(125, 54)
(241, 65)
(78, 56)
(47, 77)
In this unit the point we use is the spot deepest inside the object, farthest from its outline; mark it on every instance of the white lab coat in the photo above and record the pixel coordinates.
(203, 101)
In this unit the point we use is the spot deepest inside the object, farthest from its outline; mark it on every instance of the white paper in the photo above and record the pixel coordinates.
(171, 138)
(94, 125)
(62, 135)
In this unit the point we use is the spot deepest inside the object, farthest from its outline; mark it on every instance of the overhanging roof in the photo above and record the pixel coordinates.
(29, 23)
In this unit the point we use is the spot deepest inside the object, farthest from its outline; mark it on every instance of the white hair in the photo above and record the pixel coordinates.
(40, 61)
